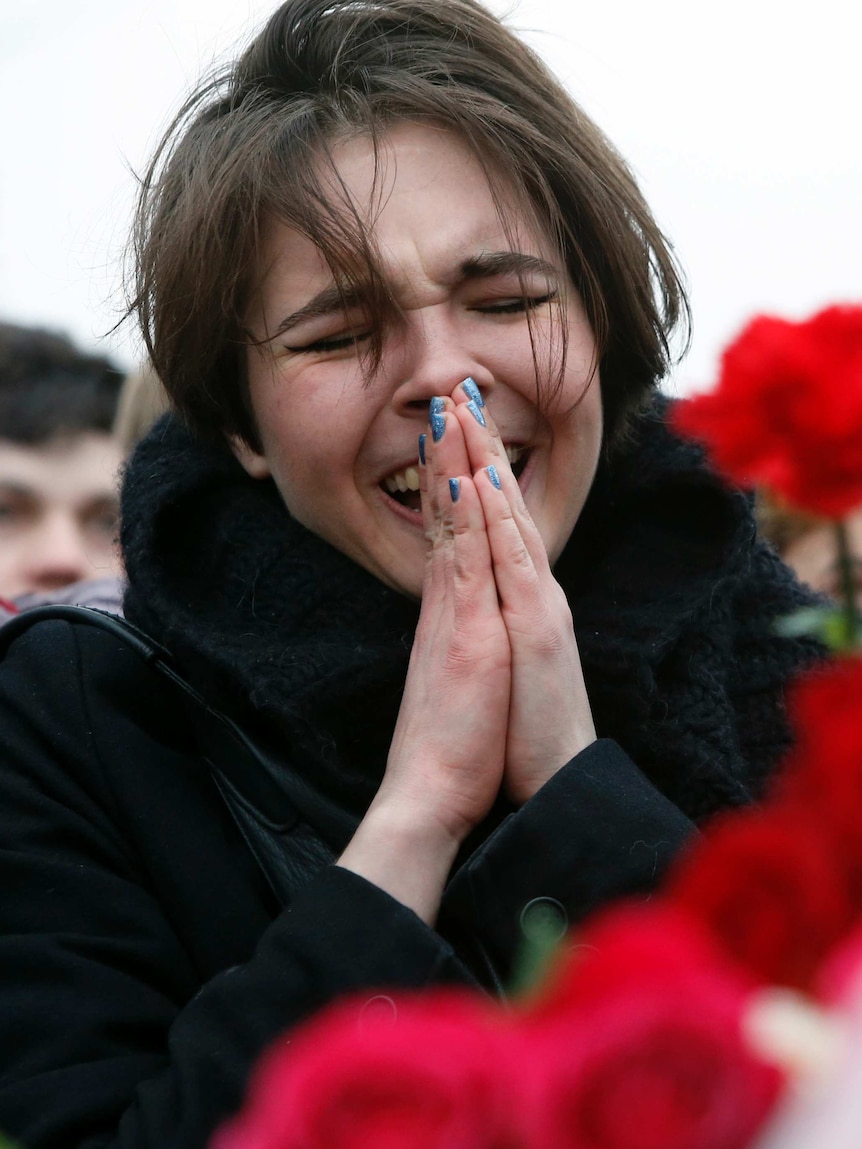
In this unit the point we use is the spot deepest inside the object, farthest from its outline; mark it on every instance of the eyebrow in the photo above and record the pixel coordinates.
(333, 299)
(507, 263)
(328, 301)
(9, 488)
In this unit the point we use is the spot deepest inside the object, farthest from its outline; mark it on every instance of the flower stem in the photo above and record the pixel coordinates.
(848, 584)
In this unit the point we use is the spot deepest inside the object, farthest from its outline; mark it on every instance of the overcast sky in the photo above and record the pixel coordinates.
(741, 120)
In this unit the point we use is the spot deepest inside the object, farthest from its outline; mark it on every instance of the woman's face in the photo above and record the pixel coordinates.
(338, 444)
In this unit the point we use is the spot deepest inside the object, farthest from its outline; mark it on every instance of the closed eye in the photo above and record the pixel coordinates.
(515, 306)
(330, 343)
(342, 341)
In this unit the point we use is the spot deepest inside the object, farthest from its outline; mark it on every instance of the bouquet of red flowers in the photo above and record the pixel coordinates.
(786, 416)
(727, 1009)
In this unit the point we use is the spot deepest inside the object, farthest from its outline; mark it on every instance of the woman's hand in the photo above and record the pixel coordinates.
(549, 717)
(448, 749)
(447, 757)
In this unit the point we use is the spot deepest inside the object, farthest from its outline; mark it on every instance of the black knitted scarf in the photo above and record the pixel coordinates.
(671, 597)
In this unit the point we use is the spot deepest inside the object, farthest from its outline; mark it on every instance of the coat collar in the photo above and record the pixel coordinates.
(272, 623)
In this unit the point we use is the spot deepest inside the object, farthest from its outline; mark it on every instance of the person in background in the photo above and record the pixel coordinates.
(59, 461)
(141, 401)
(808, 545)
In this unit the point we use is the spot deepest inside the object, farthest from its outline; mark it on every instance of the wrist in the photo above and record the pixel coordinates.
(523, 784)
(405, 853)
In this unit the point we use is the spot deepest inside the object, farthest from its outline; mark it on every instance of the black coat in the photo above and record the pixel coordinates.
(144, 961)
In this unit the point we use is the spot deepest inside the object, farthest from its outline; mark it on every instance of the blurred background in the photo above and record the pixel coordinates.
(740, 119)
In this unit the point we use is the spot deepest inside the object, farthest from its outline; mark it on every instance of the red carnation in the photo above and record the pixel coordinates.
(640, 1044)
(825, 707)
(421, 1075)
(839, 979)
(787, 411)
(631, 944)
(772, 887)
(823, 775)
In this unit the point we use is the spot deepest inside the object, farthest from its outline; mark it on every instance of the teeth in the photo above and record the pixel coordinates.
(406, 480)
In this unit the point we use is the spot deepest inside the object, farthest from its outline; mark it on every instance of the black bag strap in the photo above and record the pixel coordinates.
(287, 849)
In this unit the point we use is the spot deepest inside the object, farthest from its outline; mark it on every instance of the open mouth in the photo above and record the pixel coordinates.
(403, 486)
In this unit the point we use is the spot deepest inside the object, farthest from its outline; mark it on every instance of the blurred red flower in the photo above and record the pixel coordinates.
(787, 411)
(773, 889)
(421, 1074)
(826, 712)
(639, 1044)
(839, 979)
(630, 943)
(823, 774)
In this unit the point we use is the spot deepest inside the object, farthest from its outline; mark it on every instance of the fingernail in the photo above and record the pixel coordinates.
(476, 413)
(455, 489)
(493, 476)
(422, 450)
(435, 417)
(472, 391)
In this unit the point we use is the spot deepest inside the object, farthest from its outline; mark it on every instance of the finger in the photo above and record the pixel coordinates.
(473, 568)
(434, 432)
(468, 391)
(459, 596)
(485, 448)
(481, 436)
(424, 493)
(445, 455)
(447, 450)
(516, 574)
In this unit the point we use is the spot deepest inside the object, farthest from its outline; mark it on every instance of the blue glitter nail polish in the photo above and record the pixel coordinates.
(472, 391)
(476, 413)
(455, 489)
(438, 426)
(437, 406)
(493, 476)
(422, 450)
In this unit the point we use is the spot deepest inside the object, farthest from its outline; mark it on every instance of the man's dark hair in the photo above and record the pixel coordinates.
(48, 388)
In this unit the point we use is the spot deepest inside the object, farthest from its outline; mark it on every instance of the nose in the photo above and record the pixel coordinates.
(434, 362)
(58, 553)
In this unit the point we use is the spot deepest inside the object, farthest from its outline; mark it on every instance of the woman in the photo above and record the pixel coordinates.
(411, 309)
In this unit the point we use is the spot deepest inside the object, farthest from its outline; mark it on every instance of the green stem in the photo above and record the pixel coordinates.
(848, 584)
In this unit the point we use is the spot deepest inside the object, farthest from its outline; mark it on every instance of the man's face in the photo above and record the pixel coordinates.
(58, 512)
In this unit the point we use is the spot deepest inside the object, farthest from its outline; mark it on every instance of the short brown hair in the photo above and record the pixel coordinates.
(243, 149)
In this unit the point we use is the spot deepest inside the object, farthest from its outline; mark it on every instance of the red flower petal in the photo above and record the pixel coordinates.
(787, 410)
